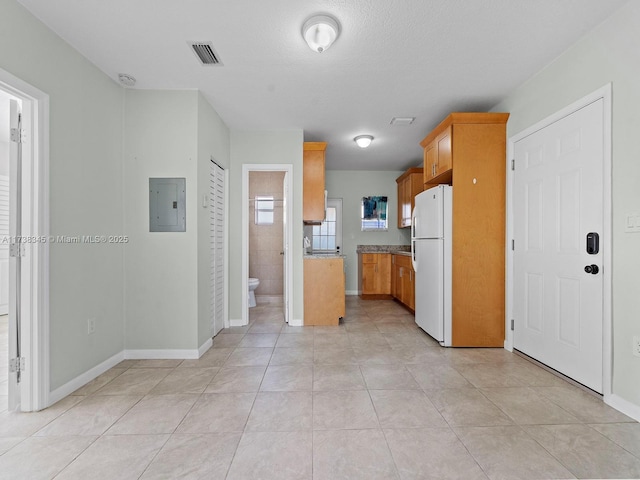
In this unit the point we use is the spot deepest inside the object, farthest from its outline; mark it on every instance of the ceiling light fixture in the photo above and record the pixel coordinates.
(320, 31)
(363, 141)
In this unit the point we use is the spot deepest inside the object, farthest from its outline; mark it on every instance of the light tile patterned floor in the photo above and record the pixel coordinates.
(374, 398)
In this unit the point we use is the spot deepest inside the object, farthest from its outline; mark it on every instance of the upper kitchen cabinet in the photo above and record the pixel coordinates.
(410, 183)
(466, 137)
(313, 182)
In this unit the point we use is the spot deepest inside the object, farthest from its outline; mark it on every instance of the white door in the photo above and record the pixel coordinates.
(4, 246)
(327, 236)
(557, 202)
(216, 238)
(15, 205)
(286, 258)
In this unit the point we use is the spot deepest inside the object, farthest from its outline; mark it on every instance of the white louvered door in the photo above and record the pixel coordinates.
(216, 237)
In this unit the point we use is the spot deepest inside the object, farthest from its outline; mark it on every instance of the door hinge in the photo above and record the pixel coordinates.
(513, 164)
(18, 135)
(16, 365)
(513, 244)
(16, 250)
(512, 324)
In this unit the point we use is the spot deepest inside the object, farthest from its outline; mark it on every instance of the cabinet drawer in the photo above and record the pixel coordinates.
(369, 258)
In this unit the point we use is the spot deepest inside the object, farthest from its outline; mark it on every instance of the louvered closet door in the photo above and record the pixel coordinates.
(216, 236)
(4, 246)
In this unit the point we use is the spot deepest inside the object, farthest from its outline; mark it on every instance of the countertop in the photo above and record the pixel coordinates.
(324, 255)
(397, 249)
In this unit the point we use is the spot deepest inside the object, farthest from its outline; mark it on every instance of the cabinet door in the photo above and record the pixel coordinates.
(384, 273)
(313, 182)
(430, 161)
(410, 290)
(402, 186)
(394, 277)
(369, 278)
(444, 159)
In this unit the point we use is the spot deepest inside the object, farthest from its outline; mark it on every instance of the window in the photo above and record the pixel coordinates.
(373, 213)
(264, 209)
(327, 237)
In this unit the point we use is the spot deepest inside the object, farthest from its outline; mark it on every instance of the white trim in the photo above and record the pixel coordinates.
(84, 378)
(157, 354)
(625, 406)
(351, 292)
(35, 393)
(205, 347)
(274, 167)
(296, 322)
(227, 322)
(236, 322)
(604, 93)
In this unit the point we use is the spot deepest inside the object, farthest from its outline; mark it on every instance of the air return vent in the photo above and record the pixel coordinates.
(205, 53)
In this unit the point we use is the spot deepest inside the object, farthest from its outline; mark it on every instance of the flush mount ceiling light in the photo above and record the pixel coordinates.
(363, 141)
(320, 31)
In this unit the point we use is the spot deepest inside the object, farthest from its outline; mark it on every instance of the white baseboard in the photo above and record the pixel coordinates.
(84, 378)
(236, 322)
(625, 406)
(351, 292)
(204, 347)
(296, 322)
(151, 354)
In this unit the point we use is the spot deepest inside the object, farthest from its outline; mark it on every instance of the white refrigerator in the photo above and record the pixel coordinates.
(431, 228)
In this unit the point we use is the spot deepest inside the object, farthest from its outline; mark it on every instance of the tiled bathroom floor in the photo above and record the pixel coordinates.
(374, 398)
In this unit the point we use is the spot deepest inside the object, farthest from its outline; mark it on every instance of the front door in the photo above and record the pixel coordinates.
(558, 282)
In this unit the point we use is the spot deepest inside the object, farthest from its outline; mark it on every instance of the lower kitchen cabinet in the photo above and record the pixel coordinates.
(324, 302)
(374, 275)
(403, 281)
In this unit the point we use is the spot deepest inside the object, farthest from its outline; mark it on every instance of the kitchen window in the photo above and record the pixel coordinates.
(327, 237)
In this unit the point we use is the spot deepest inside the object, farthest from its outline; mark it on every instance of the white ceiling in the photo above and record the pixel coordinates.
(418, 58)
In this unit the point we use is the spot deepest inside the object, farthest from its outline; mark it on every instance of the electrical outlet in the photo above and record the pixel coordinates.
(91, 326)
(636, 346)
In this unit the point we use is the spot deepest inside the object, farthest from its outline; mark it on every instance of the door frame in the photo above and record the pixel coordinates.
(604, 93)
(288, 273)
(35, 386)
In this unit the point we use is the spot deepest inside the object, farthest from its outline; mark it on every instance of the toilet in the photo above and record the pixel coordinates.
(253, 284)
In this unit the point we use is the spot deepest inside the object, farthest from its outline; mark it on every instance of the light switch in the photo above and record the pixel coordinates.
(632, 222)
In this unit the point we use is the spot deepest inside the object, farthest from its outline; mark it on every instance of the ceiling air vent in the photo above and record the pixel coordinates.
(205, 53)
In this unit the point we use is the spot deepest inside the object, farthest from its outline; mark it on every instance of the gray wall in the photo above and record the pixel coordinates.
(276, 147)
(351, 186)
(86, 190)
(607, 54)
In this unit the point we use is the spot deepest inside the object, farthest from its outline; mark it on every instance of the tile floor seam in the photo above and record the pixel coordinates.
(155, 456)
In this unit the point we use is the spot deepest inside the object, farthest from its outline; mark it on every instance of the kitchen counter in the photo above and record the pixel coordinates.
(324, 255)
(383, 249)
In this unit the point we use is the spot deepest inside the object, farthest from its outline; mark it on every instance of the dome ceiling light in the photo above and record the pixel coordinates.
(363, 141)
(320, 31)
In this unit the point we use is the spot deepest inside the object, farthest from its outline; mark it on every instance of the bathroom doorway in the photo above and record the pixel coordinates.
(25, 233)
(267, 235)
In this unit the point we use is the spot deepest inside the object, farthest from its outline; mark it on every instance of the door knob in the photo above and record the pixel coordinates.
(592, 269)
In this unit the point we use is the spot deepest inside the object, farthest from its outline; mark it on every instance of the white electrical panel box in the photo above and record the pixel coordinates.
(167, 212)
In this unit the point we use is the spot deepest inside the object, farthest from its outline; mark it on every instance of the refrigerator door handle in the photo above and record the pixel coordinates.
(413, 255)
(413, 222)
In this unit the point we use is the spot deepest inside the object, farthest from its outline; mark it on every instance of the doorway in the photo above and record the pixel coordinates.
(266, 238)
(560, 226)
(27, 321)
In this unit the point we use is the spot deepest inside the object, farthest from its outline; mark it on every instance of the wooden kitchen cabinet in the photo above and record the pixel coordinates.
(410, 183)
(403, 281)
(324, 301)
(468, 151)
(313, 182)
(374, 275)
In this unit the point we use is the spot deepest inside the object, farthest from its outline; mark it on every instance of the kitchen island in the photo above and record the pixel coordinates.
(324, 302)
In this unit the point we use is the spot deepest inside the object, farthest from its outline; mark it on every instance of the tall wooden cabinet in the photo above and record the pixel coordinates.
(410, 183)
(313, 182)
(468, 151)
